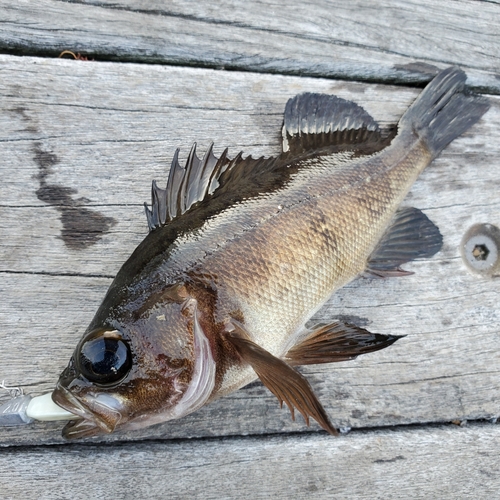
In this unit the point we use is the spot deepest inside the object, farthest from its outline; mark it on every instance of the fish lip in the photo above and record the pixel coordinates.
(65, 399)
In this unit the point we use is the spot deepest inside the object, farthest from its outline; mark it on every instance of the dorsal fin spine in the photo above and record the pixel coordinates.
(188, 172)
(214, 182)
(154, 205)
(174, 181)
(159, 204)
(149, 217)
(208, 159)
(195, 181)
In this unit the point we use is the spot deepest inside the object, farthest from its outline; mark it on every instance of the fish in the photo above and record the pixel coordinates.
(242, 252)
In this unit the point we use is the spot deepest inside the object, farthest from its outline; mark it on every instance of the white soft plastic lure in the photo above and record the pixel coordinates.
(23, 409)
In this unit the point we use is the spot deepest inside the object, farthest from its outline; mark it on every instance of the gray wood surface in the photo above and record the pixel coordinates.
(445, 462)
(80, 143)
(353, 39)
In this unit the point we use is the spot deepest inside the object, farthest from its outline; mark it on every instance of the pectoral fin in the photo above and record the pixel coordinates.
(283, 381)
(410, 235)
(337, 342)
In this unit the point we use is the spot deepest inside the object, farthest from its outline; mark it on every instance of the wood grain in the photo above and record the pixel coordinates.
(79, 137)
(445, 462)
(391, 41)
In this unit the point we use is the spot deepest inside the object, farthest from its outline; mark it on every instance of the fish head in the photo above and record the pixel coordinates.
(156, 367)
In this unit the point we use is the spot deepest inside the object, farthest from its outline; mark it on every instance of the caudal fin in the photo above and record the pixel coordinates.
(444, 110)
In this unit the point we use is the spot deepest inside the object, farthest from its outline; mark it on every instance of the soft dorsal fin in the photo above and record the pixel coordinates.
(319, 122)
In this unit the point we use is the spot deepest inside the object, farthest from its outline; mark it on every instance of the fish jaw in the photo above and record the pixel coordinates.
(98, 416)
(81, 428)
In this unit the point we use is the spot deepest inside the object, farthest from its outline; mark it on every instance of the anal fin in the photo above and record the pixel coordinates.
(410, 235)
(337, 342)
(282, 380)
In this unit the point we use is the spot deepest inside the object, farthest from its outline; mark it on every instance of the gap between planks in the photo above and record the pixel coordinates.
(394, 42)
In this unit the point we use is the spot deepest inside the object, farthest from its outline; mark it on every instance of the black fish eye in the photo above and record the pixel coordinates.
(104, 360)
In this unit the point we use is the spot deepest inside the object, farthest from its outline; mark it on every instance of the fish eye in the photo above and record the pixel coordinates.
(104, 360)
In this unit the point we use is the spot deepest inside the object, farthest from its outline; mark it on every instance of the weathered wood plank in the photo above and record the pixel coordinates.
(105, 130)
(346, 39)
(435, 462)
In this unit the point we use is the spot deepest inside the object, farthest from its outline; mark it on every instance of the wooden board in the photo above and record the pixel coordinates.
(433, 462)
(391, 41)
(80, 143)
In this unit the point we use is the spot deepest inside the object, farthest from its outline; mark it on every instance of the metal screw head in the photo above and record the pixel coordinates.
(481, 249)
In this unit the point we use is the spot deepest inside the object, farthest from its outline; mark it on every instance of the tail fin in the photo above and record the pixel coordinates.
(444, 110)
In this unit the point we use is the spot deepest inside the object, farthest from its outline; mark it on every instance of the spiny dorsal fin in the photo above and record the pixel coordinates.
(229, 180)
(318, 122)
(185, 186)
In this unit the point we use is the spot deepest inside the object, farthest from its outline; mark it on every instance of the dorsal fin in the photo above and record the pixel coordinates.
(191, 184)
(314, 124)
(185, 186)
(323, 123)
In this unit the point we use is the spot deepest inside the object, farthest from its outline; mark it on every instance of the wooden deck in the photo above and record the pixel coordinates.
(80, 142)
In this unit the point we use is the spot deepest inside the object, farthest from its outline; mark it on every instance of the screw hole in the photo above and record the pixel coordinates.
(480, 252)
(481, 249)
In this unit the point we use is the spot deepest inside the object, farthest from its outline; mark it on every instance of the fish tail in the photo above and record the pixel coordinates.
(444, 110)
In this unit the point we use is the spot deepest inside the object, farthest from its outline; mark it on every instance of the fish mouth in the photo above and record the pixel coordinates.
(90, 423)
